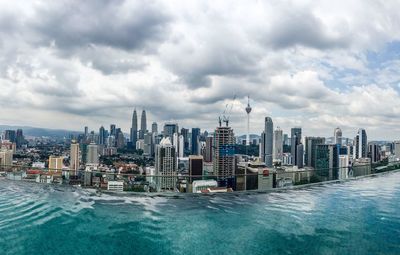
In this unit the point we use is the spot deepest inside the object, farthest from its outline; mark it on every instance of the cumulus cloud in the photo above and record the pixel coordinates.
(313, 64)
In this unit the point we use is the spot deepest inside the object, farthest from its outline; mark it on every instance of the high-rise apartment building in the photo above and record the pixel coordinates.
(92, 154)
(74, 158)
(166, 165)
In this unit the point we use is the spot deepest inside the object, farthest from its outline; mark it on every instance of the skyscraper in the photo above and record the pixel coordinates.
(361, 144)
(185, 133)
(102, 135)
(143, 125)
(170, 129)
(19, 140)
(374, 152)
(154, 128)
(195, 141)
(134, 129)
(224, 155)
(278, 145)
(166, 165)
(268, 141)
(74, 158)
(311, 143)
(209, 149)
(337, 134)
(295, 140)
(327, 161)
(112, 130)
(10, 135)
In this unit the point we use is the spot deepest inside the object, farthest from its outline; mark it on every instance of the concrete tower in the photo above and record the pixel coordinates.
(248, 111)
(134, 129)
(143, 125)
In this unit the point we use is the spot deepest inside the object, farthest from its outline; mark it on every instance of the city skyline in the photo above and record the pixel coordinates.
(179, 60)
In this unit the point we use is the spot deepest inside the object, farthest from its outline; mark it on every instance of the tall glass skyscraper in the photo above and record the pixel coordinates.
(195, 141)
(268, 141)
(295, 141)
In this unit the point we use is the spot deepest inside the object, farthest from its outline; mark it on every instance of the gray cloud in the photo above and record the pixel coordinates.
(120, 24)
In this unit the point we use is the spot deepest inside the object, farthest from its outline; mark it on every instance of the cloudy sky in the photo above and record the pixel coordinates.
(314, 64)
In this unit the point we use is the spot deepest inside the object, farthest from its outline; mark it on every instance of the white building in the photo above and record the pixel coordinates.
(396, 149)
(199, 185)
(115, 185)
(166, 165)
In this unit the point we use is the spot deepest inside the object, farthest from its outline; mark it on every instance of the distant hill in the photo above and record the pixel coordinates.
(39, 132)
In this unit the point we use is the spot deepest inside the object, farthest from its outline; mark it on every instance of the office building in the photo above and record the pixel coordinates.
(10, 135)
(268, 140)
(166, 165)
(185, 134)
(360, 143)
(195, 141)
(195, 167)
(102, 135)
(143, 125)
(295, 140)
(154, 128)
(374, 152)
(112, 130)
(208, 149)
(278, 145)
(300, 156)
(327, 161)
(170, 129)
(19, 139)
(310, 145)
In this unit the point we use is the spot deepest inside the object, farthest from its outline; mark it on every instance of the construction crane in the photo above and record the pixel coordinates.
(224, 117)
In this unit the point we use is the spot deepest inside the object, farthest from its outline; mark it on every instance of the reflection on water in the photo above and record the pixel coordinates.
(356, 217)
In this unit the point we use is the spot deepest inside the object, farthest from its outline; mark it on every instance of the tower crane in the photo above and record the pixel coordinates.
(224, 117)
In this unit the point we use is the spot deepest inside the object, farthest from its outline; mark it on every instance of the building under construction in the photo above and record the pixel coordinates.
(224, 155)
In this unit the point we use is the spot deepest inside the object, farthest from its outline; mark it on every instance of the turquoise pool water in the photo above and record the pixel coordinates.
(356, 217)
